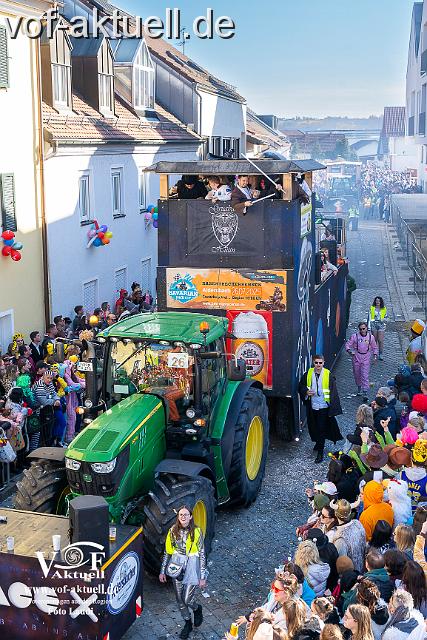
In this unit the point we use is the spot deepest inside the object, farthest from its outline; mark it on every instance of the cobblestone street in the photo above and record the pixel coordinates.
(249, 543)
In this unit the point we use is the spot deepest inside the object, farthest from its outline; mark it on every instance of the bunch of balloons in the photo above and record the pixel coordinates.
(98, 235)
(152, 215)
(11, 247)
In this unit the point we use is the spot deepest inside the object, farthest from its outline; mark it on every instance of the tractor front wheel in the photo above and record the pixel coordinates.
(169, 493)
(41, 487)
(250, 448)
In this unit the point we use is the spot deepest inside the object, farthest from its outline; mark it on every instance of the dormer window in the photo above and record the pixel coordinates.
(93, 73)
(106, 80)
(143, 74)
(134, 75)
(56, 68)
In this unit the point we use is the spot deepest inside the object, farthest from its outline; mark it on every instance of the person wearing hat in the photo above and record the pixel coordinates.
(416, 475)
(191, 188)
(349, 538)
(342, 472)
(362, 347)
(328, 553)
(419, 400)
(415, 346)
(398, 497)
(375, 460)
(398, 457)
(318, 392)
(374, 507)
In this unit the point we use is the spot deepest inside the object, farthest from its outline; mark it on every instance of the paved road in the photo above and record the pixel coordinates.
(250, 542)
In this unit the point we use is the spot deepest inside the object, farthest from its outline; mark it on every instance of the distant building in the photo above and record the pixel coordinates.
(261, 137)
(394, 148)
(365, 149)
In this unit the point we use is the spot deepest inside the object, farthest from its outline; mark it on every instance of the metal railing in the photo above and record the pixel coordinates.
(412, 254)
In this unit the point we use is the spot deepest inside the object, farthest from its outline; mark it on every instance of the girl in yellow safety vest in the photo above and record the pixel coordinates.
(184, 561)
(377, 322)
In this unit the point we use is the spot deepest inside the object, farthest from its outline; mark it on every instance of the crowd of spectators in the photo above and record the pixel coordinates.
(359, 571)
(377, 186)
(40, 384)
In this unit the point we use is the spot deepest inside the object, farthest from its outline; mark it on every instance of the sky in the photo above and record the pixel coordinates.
(305, 57)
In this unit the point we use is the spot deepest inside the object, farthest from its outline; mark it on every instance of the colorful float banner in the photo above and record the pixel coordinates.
(253, 341)
(239, 289)
(305, 219)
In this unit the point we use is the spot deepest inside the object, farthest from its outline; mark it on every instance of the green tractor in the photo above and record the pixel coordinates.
(176, 422)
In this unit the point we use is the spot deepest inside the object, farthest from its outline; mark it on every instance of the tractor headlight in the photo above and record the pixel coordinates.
(104, 467)
(190, 413)
(74, 465)
(88, 403)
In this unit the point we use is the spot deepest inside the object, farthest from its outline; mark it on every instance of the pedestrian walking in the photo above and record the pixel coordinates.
(318, 391)
(362, 347)
(184, 561)
(377, 323)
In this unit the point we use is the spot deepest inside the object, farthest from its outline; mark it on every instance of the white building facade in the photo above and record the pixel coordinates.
(97, 144)
(416, 90)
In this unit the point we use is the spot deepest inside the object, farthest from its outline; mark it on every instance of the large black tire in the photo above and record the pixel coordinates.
(168, 495)
(243, 489)
(41, 487)
(283, 417)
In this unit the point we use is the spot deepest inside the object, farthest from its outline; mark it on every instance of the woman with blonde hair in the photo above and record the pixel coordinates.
(315, 571)
(357, 620)
(324, 609)
(261, 627)
(297, 625)
(331, 632)
(404, 537)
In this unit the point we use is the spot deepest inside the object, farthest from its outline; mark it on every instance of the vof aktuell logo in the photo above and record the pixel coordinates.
(78, 562)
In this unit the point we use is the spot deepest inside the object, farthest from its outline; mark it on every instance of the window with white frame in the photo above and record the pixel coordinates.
(216, 145)
(236, 146)
(84, 198)
(142, 190)
(121, 279)
(117, 191)
(226, 145)
(61, 84)
(143, 80)
(106, 91)
(146, 275)
(90, 295)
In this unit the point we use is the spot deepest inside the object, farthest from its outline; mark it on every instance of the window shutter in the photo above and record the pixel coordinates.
(4, 60)
(7, 202)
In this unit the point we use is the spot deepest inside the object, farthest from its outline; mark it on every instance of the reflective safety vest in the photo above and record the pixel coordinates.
(325, 382)
(383, 312)
(191, 547)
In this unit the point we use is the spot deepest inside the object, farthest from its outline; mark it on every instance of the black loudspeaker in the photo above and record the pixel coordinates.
(89, 522)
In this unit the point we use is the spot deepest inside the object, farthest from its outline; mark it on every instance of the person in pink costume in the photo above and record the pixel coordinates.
(362, 347)
(74, 386)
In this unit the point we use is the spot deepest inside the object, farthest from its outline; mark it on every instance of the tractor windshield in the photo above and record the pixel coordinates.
(134, 367)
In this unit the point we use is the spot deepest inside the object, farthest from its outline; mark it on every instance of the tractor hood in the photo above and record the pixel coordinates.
(105, 437)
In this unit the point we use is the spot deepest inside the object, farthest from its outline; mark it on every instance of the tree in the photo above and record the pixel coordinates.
(295, 150)
(316, 151)
(342, 149)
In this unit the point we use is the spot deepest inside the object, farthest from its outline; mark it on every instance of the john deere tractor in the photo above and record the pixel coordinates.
(176, 422)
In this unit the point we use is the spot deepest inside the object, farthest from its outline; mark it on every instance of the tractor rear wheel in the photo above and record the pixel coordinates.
(41, 487)
(249, 449)
(169, 493)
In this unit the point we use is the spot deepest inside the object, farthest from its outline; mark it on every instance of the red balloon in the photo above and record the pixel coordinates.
(6, 250)
(15, 255)
(7, 235)
(100, 234)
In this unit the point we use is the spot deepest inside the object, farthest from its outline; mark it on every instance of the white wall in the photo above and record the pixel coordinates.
(222, 117)
(71, 263)
(403, 154)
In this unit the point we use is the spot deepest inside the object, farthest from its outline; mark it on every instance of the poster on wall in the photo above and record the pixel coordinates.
(305, 219)
(253, 341)
(240, 289)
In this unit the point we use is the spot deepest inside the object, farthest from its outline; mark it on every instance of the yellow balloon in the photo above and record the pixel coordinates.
(108, 234)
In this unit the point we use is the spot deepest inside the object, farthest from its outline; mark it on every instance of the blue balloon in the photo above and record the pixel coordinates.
(150, 206)
(103, 228)
(155, 215)
(18, 246)
(9, 243)
(97, 242)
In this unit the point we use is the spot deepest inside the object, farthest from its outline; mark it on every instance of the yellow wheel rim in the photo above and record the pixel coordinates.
(200, 516)
(254, 447)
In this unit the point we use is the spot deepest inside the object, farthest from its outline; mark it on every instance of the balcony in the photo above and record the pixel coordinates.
(422, 124)
(411, 126)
